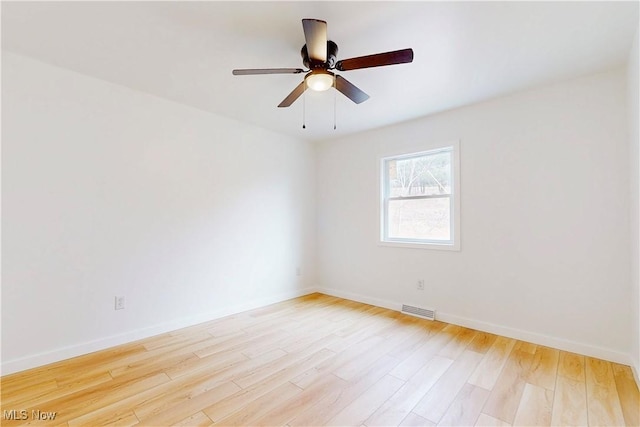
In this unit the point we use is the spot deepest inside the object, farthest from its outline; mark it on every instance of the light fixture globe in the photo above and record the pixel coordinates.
(319, 80)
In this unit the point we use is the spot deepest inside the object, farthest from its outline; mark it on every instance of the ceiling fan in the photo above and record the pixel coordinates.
(319, 56)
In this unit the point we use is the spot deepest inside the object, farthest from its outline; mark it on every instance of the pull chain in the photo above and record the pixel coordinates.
(335, 96)
(304, 97)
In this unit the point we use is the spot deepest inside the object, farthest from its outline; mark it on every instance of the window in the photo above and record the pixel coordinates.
(420, 199)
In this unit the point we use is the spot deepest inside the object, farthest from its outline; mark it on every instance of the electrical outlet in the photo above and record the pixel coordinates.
(298, 272)
(420, 285)
(119, 303)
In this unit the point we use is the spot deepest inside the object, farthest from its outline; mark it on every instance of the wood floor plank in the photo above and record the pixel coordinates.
(571, 365)
(346, 363)
(570, 402)
(232, 403)
(156, 365)
(199, 419)
(421, 333)
(425, 352)
(544, 367)
(176, 413)
(152, 400)
(292, 361)
(603, 402)
(435, 403)
(328, 406)
(628, 393)
(180, 345)
(360, 332)
(366, 321)
(485, 420)
(277, 342)
(33, 392)
(173, 394)
(535, 407)
(163, 340)
(153, 361)
(231, 325)
(218, 362)
(489, 369)
(458, 344)
(237, 343)
(94, 398)
(415, 420)
(399, 406)
(289, 409)
(507, 391)
(526, 347)
(482, 342)
(465, 409)
(357, 365)
(319, 360)
(249, 414)
(345, 355)
(125, 420)
(302, 339)
(355, 413)
(86, 365)
(309, 330)
(84, 362)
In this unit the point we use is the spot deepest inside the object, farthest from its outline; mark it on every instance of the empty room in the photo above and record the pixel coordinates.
(320, 213)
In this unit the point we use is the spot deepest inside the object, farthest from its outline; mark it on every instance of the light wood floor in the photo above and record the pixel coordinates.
(320, 360)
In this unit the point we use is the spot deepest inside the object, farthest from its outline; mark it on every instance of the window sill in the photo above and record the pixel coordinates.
(429, 246)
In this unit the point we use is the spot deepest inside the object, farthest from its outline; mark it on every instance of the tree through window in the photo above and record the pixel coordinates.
(418, 197)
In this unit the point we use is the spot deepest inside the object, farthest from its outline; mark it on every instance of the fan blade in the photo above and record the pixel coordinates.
(252, 71)
(315, 35)
(290, 99)
(350, 91)
(377, 60)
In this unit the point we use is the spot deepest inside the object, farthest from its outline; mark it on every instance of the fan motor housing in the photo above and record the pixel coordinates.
(332, 53)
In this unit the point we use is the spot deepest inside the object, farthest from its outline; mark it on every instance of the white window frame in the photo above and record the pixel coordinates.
(454, 243)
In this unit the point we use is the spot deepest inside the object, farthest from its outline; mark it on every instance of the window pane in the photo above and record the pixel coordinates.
(419, 176)
(425, 219)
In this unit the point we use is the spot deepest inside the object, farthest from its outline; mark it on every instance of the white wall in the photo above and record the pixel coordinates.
(545, 218)
(634, 113)
(107, 192)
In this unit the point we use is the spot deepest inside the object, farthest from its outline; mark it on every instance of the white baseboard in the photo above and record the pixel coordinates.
(40, 359)
(533, 337)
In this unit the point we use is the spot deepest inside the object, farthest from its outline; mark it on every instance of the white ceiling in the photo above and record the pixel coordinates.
(184, 51)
